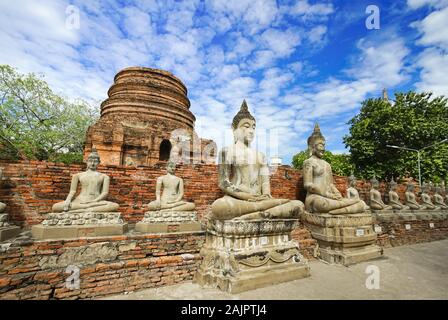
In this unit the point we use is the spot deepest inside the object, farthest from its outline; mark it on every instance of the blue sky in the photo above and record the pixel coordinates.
(295, 62)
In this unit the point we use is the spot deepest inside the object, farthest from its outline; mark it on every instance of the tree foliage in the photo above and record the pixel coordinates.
(414, 121)
(340, 163)
(35, 123)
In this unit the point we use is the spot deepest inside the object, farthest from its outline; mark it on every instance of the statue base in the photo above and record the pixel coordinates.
(385, 215)
(41, 232)
(8, 232)
(146, 227)
(65, 225)
(168, 222)
(241, 255)
(424, 214)
(343, 239)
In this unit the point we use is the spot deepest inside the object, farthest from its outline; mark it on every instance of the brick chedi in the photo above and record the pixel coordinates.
(145, 118)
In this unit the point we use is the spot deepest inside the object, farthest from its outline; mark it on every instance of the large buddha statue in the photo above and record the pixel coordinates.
(169, 192)
(438, 198)
(394, 198)
(426, 198)
(94, 190)
(376, 202)
(352, 192)
(410, 199)
(244, 179)
(322, 195)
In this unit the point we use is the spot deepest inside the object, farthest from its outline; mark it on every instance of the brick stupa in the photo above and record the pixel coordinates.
(146, 118)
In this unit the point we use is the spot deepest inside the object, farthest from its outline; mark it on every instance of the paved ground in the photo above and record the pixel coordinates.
(409, 272)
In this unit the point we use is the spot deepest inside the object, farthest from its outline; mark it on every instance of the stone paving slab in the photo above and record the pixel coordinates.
(408, 272)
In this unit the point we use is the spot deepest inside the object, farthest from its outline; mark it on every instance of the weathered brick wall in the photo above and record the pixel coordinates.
(37, 270)
(108, 265)
(395, 233)
(30, 188)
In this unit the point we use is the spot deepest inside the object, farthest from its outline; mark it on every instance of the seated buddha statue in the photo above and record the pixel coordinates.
(244, 179)
(376, 202)
(169, 192)
(94, 190)
(394, 198)
(410, 199)
(322, 195)
(352, 192)
(426, 198)
(438, 198)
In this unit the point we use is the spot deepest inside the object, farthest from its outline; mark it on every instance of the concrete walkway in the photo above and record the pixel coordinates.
(409, 272)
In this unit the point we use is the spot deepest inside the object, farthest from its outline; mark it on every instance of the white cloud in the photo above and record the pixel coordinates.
(416, 4)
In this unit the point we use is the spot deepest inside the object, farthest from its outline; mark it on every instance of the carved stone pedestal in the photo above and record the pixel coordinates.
(385, 215)
(241, 255)
(343, 239)
(169, 221)
(423, 214)
(7, 231)
(76, 225)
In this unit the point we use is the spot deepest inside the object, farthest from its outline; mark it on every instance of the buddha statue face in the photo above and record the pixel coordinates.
(393, 186)
(318, 148)
(410, 187)
(171, 167)
(92, 163)
(245, 131)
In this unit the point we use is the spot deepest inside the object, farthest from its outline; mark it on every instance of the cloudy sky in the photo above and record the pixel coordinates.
(295, 62)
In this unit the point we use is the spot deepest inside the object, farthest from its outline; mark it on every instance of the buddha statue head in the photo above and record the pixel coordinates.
(352, 180)
(93, 160)
(438, 189)
(171, 167)
(410, 187)
(316, 142)
(374, 182)
(243, 125)
(392, 184)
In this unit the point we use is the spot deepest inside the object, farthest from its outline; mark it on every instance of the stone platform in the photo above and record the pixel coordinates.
(343, 239)
(243, 255)
(169, 221)
(77, 231)
(74, 225)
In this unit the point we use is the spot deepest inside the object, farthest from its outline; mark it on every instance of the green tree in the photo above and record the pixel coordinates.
(340, 163)
(35, 123)
(415, 121)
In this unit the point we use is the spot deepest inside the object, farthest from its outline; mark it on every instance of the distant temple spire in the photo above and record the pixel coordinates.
(385, 97)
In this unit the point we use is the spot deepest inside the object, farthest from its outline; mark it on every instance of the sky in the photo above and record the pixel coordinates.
(295, 62)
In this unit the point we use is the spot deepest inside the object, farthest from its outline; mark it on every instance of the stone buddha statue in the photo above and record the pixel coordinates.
(94, 191)
(352, 192)
(169, 192)
(376, 202)
(394, 198)
(438, 198)
(322, 195)
(426, 198)
(410, 199)
(2, 205)
(244, 179)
